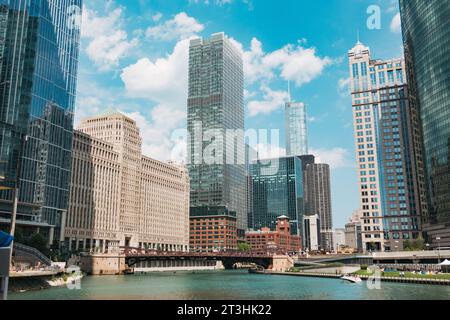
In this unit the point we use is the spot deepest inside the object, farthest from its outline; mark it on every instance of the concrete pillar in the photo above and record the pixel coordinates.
(51, 235)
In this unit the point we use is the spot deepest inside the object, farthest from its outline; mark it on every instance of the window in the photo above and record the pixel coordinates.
(381, 76)
(355, 70)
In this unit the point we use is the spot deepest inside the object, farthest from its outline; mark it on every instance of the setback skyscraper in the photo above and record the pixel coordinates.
(39, 46)
(118, 197)
(384, 138)
(216, 119)
(426, 34)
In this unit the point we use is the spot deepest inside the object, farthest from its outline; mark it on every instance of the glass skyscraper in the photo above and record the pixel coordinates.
(39, 46)
(278, 189)
(426, 34)
(216, 151)
(296, 129)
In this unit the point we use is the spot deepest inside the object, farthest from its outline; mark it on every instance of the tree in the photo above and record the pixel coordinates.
(39, 242)
(244, 247)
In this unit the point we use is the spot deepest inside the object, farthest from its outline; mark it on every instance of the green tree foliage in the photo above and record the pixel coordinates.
(245, 247)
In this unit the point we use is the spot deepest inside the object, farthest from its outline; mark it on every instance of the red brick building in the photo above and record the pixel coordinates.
(280, 240)
(213, 230)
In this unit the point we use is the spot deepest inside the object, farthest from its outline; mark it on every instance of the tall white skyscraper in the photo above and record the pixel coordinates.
(384, 140)
(296, 128)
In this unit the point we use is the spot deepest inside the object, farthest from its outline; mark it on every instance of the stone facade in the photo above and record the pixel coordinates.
(121, 198)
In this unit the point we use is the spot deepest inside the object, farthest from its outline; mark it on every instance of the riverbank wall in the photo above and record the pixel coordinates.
(181, 267)
(441, 282)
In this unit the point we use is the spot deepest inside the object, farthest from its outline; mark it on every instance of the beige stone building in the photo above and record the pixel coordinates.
(121, 198)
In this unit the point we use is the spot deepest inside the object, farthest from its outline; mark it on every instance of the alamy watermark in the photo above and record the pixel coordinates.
(227, 147)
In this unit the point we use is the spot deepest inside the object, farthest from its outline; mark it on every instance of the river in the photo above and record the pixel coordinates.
(231, 285)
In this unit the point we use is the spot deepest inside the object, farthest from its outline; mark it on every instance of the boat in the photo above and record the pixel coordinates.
(352, 279)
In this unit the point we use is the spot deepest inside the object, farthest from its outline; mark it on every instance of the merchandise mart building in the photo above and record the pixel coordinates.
(39, 47)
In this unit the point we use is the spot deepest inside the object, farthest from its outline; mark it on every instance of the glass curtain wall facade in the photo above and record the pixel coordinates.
(426, 34)
(216, 108)
(296, 129)
(39, 46)
(278, 190)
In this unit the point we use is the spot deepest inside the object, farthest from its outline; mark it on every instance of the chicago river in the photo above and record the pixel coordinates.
(231, 285)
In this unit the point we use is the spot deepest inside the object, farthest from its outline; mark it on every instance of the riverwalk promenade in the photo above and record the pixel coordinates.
(425, 281)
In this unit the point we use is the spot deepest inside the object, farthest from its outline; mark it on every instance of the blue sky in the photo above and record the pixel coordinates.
(134, 59)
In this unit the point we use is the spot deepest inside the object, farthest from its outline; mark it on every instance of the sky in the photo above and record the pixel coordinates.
(134, 58)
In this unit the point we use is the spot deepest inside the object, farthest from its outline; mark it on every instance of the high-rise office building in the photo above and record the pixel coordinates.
(39, 47)
(216, 121)
(278, 189)
(339, 240)
(312, 233)
(353, 238)
(296, 129)
(318, 177)
(384, 138)
(426, 34)
(118, 197)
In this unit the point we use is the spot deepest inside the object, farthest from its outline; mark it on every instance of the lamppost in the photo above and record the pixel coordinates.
(438, 239)
(23, 139)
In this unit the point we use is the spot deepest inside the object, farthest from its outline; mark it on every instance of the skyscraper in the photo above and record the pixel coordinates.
(216, 127)
(426, 34)
(278, 189)
(318, 177)
(296, 129)
(384, 138)
(39, 46)
(118, 197)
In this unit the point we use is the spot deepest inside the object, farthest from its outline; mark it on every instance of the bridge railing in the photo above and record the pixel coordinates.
(136, 252)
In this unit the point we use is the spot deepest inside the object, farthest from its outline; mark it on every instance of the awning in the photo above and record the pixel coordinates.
(445, 263)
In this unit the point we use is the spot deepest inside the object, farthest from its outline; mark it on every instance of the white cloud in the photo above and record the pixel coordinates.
(335, 157)
(273, 100)
(344, 87)
(269, 151)
(292, 62)
(157, 16)
(396, 24)
(180, 27)
(164, 82)
(106, 40)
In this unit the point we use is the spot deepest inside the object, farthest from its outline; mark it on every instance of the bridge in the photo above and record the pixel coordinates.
(135, 257)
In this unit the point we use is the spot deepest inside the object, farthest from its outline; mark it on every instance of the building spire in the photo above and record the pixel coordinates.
(357, 36)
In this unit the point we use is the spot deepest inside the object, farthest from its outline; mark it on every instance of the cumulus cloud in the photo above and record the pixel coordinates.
(181, 26)
(272, 100)
(344, 87)
(292, 62)
(336, 157)
(163, 81)
(106, 41)
(396, 24)
(269, 151)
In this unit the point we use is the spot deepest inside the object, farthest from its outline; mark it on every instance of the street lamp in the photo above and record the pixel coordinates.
(438, 239)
